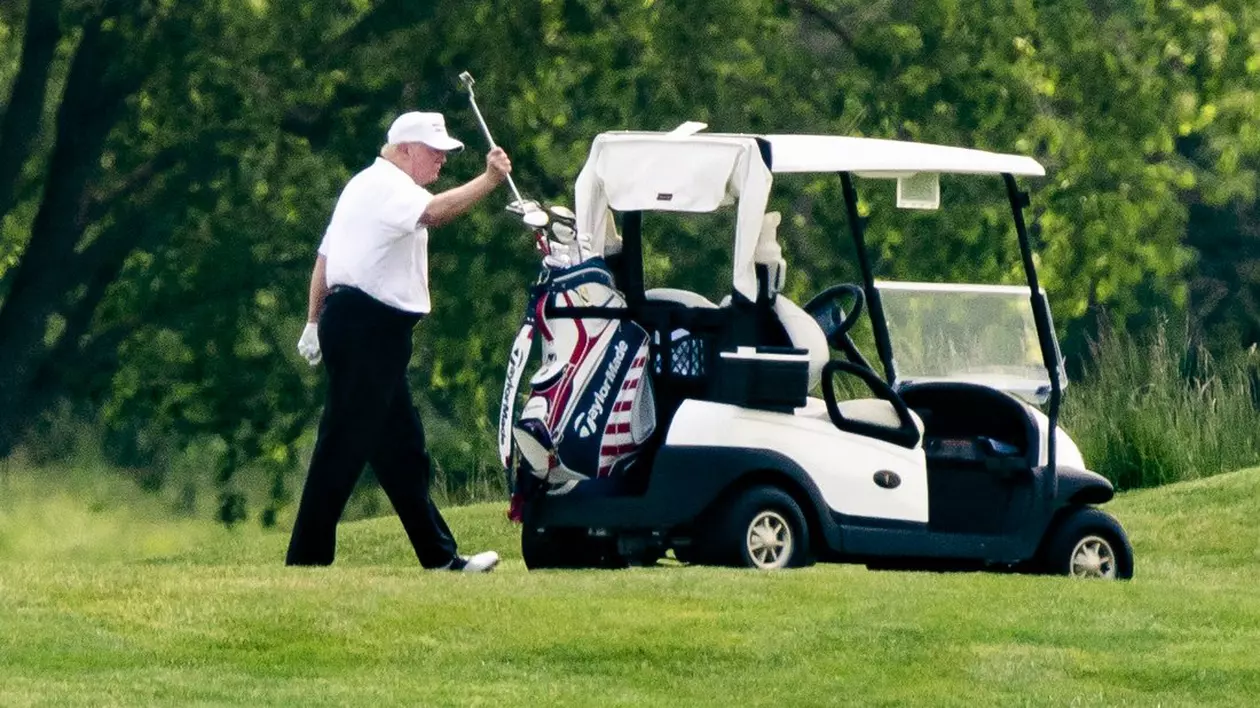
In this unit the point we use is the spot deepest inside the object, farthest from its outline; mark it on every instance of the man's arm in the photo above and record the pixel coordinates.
(308, 344)
(319, 288)
(449, 204)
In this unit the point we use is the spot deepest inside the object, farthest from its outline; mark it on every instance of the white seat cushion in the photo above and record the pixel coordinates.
(872, 411)
(804, 333)
(875, 411)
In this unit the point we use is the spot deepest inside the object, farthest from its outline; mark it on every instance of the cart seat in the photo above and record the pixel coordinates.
(871, 411)
(686, 298)
(805, 333)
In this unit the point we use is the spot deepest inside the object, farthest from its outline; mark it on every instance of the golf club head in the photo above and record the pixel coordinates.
(563, 214)
(537, 219)
(467, 80)
(522, 206)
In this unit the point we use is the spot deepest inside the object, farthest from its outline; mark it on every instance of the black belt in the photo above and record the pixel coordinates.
(358, 293)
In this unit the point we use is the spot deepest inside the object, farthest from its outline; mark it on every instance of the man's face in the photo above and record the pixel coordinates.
(424, 163)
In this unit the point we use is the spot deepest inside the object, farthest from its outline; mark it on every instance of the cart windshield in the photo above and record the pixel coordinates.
(983, 334)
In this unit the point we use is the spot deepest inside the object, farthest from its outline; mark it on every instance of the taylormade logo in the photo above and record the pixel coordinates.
(584, 424)
(506, 403)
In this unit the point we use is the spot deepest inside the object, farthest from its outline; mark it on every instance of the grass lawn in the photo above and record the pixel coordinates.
(105, 607)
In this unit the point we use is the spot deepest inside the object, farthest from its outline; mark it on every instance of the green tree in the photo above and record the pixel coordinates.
(159, 217)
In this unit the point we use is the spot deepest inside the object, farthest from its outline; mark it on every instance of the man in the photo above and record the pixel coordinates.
(369, 288)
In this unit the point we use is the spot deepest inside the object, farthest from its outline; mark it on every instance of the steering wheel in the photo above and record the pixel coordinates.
(828, 310)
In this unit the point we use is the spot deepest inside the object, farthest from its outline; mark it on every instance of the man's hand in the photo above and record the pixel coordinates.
(498, 166)
(308, 345)
(453, 202)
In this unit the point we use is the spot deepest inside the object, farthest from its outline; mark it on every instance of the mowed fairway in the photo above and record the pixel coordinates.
(218, 620)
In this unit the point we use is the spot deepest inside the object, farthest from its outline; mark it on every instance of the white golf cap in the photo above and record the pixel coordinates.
(427, 128)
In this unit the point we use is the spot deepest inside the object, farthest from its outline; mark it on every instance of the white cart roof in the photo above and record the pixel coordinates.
(872, 157)
(654, 171)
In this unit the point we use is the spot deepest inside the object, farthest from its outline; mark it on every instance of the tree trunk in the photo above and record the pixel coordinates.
(89, 109)
(26, 102)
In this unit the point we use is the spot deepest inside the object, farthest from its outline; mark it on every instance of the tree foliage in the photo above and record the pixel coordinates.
(167, 169)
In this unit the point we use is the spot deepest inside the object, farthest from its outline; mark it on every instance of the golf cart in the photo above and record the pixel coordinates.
(947, 463)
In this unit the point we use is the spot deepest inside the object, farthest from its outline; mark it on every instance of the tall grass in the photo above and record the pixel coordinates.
(71, 447)
(1158, 408)
(89, 511)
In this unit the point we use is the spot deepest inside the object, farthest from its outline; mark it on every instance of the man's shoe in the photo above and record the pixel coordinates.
(483, 562)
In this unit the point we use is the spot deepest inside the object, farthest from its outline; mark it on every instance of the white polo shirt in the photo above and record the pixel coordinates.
(374, 241)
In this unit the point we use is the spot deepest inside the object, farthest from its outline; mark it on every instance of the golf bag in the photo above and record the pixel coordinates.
(590, 406)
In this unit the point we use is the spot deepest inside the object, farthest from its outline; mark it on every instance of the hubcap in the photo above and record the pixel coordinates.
(769, 540)
(1093, 558)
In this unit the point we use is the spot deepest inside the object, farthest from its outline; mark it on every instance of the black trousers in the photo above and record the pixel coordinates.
(368, 417)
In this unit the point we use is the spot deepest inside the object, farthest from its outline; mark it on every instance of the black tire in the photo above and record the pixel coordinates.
(646, 558)
(568, 549)
(761, 527)
(685, 554)
(1087, 543)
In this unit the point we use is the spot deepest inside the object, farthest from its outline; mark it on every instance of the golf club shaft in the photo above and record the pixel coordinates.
(486, 130)
(540, 236)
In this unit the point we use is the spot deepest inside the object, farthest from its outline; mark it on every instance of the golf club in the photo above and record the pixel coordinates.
(540, 233)
(468, 81)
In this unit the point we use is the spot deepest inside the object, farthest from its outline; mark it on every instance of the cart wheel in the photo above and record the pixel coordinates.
(761, 528)
(568, 548)
(1088, 543)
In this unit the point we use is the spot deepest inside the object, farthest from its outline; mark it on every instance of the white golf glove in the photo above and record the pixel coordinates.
(308, 345)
